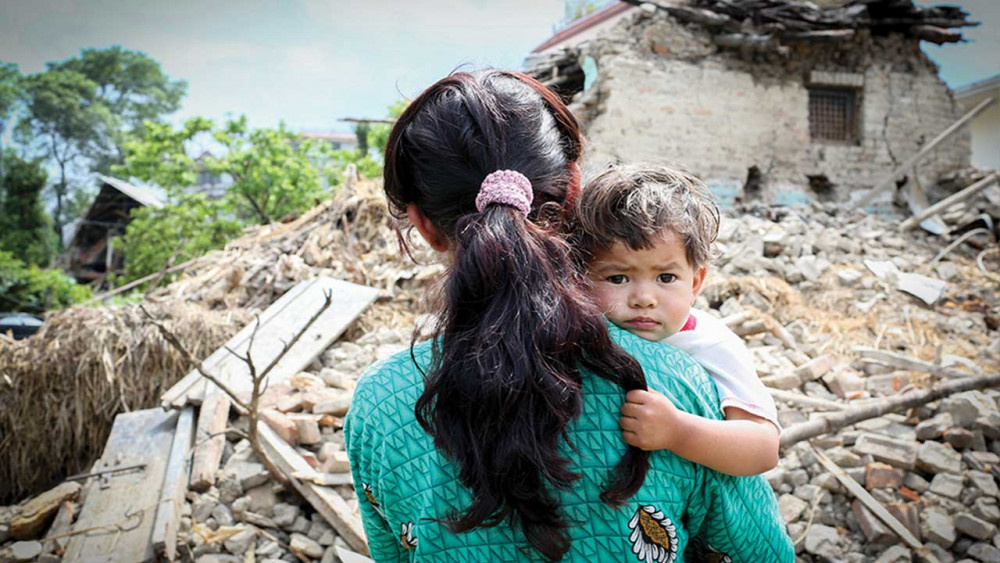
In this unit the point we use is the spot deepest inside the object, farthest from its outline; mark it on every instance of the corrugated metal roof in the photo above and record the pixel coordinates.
(143, 195)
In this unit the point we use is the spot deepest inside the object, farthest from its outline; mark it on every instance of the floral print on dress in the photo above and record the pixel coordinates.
(713, 556)
(406, 536)
(654, 536)
(370, 495)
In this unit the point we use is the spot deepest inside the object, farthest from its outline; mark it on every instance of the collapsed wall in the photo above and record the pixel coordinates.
(668, 91)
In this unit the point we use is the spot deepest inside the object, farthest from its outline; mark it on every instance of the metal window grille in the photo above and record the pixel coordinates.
(833, 114)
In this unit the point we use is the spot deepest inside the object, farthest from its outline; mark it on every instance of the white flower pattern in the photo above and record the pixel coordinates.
(653, 537)
(406, 536)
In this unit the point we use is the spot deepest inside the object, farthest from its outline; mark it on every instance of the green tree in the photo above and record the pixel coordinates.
(361, 132)
(31, 289)
(133, 88)
(160, 155)
(378, 135)
(10, 93)
(25, 228)
(194, 224)
(271, 170)
(64, 121)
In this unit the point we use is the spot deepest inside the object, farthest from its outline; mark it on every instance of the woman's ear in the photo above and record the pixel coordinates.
(426, 228)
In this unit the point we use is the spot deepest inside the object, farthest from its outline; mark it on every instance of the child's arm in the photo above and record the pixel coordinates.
(743, 444)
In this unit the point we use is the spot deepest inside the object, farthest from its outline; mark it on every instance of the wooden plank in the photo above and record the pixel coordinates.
(210, 437)
(175, 397)
(348, 301)
(947, 202)
(164, 538)
(278, 327)
(890, 180)
(902, 361)
(116, 521)
(325, 500)
(870, 503)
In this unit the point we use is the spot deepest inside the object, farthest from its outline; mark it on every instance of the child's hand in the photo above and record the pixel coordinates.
(650, 421)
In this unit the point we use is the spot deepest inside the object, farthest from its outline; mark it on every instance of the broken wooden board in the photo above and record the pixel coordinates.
(175, 480)
(212, 419)
(325, 500)
(278, 324)
(285, 319)
(177, 395)
(117, 519)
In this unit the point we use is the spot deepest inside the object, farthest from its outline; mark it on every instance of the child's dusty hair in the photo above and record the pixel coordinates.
(636, 204)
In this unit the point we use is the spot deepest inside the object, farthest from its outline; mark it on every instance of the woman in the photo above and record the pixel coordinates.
(499, 440)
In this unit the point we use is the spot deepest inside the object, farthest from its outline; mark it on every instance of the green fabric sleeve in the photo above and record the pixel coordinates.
(365, 446)
(740, 519)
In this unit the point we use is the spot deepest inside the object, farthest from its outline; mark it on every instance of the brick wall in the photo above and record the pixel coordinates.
(665, 93)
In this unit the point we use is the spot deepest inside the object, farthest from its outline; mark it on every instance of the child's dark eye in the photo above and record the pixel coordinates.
(666, 278)
(616, 279)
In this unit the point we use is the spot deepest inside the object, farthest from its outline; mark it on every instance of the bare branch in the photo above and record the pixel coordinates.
(328, 298)
(176, 343)
(832, 422)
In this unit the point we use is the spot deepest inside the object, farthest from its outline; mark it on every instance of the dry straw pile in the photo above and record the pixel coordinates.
(62, 388)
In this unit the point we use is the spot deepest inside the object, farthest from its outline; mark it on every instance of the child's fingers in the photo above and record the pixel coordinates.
(631, 438)
(631, 410)
(626, 423)
(638, 396)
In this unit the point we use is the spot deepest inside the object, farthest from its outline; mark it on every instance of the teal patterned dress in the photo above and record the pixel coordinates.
(405, 486)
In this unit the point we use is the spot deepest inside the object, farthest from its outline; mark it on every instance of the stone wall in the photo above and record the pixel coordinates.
(666, 93)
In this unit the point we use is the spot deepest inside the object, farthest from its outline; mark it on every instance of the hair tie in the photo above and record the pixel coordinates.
(507, 187)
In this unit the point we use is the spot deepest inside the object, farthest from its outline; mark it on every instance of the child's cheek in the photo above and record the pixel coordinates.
(604, 296)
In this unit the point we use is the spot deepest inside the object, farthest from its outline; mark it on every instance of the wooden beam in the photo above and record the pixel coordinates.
(176, 395)
(902, 361)
(210, 438)
(139, 282)
(890, 180)
(831, 422)
(278, 324)
(120, 509)
(168, 512)
(947, 202)
(807, 401)
(325, 500)
(871, 504)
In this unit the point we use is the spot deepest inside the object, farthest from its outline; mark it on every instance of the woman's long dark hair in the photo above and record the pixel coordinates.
(516, 327)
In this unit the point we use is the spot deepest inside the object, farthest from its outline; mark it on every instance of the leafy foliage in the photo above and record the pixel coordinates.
(133, 88)
(271, 169)
(34, 290)
(25, 228)
(160, 155)
(10, 92)
(378, 135)
(64, 122)
(194, 224)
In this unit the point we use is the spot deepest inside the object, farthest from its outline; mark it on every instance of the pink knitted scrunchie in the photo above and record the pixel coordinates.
(508, 187)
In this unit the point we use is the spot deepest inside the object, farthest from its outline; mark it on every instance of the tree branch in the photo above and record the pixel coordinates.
(831, 422)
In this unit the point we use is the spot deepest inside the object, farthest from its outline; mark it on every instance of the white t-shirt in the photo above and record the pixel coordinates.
(724, 355)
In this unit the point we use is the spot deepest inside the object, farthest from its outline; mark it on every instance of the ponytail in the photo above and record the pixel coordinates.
(516, 328)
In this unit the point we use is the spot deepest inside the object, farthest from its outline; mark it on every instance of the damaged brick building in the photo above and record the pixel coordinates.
(776, 99)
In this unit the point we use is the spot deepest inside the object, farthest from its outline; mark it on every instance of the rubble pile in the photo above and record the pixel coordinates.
(838, 310)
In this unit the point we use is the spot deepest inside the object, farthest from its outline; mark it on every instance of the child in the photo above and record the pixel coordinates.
(645, 234)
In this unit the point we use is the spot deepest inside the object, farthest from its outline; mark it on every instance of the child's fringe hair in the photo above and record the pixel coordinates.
(637, 204)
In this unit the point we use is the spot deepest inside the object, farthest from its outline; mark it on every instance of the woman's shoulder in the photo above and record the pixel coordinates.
(671, 371)
(393, 384)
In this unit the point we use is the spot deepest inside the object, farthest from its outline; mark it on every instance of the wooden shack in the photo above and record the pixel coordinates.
(89, 254)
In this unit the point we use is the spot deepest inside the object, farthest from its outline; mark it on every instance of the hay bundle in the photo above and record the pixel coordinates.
(61, 389)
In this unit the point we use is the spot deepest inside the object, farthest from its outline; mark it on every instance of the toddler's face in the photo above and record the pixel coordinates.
(647, 292)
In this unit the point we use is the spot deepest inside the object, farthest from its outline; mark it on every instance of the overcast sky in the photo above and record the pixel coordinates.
(311, 62)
